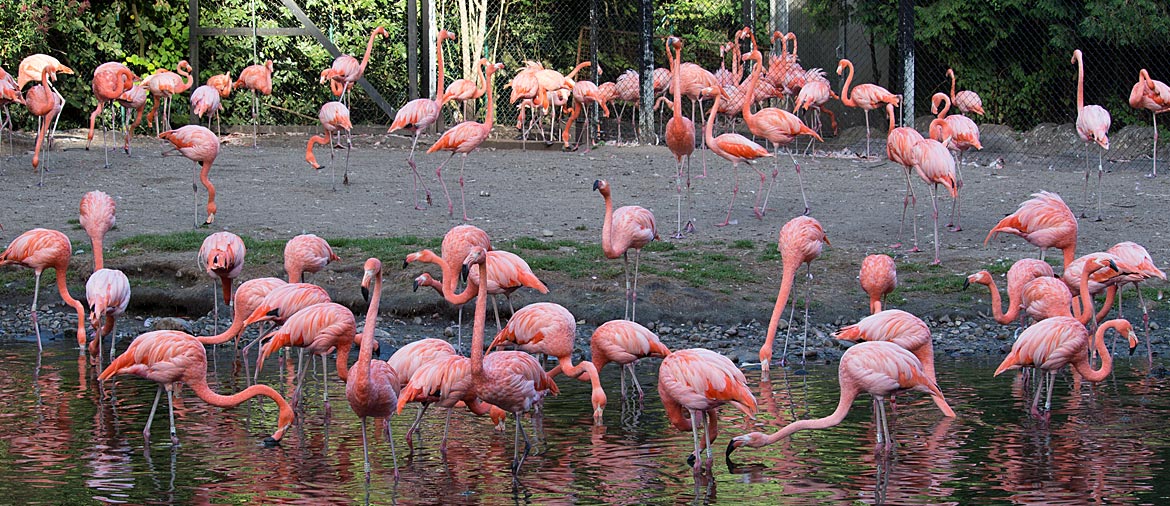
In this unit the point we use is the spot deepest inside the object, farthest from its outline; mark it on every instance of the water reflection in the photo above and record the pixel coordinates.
(68, 439)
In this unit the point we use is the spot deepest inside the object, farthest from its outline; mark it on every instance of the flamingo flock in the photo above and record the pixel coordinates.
(894, 353)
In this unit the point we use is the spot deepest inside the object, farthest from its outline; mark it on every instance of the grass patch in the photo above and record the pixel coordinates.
(385, 248)
(743, 244)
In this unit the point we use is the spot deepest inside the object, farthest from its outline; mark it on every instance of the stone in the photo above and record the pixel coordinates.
(417, 320)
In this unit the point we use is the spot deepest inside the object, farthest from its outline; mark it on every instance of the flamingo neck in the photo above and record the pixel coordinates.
(199, 386)
(1086, 297)
(450, 279)
(754, 80)
(845, 98)
(482, 87)
(997, 306)
(98, 260)
(946, 106)
(1070, 254)
(440, 86)
(676, 84)
(607, 230)
(952, 74)
(890, 113)
(366, 353)
(1080, 84)
(848, 393)
(237, 326)
(1082, 363)
(369, 48)
(788, 278)
(63, 289)
(478, 327)
(490, 114)
(709, 130)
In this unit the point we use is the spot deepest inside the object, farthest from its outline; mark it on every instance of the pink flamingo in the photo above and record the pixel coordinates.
(628, 89)
(1153, 96)
(247, 298)
(257, 78)
(169, 357)
(934, 165)
(465, 138)
(110, 80)
(1018, 276)
(41, 101)
(408, 360)
(97, 218)
(457, 242)
(801, 241)
(201, 146)
(164, 84)
(878, 368)
(734, 148)
(334, 118)
(1136, 255)
(696, 382)
(463, 90)
(346, 70)
(419, 114)
(507, 272)
(39, 249)
(623, 342)
(9, 93)
(628, 227)
(1092, 126)
(206, 99)
(108, 293)
(866, 96)
(443, 381)
(694, 81)
(1045, 221)
(966, 100)
(306, 253)
(222, 256)
(879, 277)
(134, 98)
(584, 93)
(900, 149)
(963, 134)
(286, 300)
(550, 329)
(1092, 274)
(898, 327)
(680, 130)
(319, 328)
(370, 388)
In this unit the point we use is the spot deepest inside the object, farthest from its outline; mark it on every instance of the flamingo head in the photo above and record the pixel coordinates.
(981, 277)
(951, 73)
(477, 256)
(382, 31)
(674, 42)
(841, 66)
(601, 186)
(444, 34)
(1076, 57)
(935, 100)
(752, 440)
(754, 54)
(776, 35)
(423, 279)
(371, 271)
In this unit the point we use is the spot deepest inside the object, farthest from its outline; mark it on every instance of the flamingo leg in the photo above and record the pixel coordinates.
(1154, 172)
(1100, 172)
(678, 189)
(877, 422)
(150, 417)
(934, 202)
(1035, 411)
(759, 192)
(1145, 321)
(36, 325)
(1086, 192)
(439, 174)
(325, 385)
(626, 270)
(634, 378)
(348, 148)
(634, 295)
(1048, 399)
(698, 456)
(414, 427)
(446, 427)
(807, 299)
(800, 180)
(462, 200)
(866, 133)
(366, 450)
(171, 412)
(734, 191)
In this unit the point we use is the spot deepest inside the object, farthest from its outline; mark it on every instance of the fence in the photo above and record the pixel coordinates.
(1015, 55)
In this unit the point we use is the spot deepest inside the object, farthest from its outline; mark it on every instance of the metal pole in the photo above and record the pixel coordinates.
(594, 110)
(412, 48)
(749, 19)
(906, 48)
(193, 39)
(646, 118)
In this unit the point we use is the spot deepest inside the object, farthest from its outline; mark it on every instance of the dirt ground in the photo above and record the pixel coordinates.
(271, 193)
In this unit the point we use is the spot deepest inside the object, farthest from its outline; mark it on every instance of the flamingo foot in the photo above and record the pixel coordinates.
(759, 214)
(915, 250)
(689, 227)
(896, 245)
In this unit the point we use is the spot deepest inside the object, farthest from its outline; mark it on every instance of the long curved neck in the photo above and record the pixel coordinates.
(843, 405)
(63, 289)
(1086, 297)
(997, 306)
(573, 74)
(845, 98)
(1080, 84)
(440, 85)
(482, 87)
(952, 74)
(1082, 363)
(709, 130)
(1070, 254)
(676, 84)
(98, 260)
(490, 114)
(232, 331)
(199, 386)
(890, 113)
(188, 80)
(754, 80)
(478, 327)
(367, 342)
(369, 48)
(946, 106)
(607, 229)
(128, 79)
(736, 63)
(788, 277)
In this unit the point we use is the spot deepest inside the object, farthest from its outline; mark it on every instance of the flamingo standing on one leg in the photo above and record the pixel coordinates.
(878, 368)
(201, 146)
(97, 218)
(1045, 221)
(1153, 96)
(370, 388)
(334, 118)
(550, 329)
(306, 253)
(680, 130)
(963, 134)
(628, 227)
(108, 293)
(110, 80)
(801, 241)
(346, 70)
(696, 382)
(169, 357)
(966, 100)
(257, 78)
(866, 96)
(222, 256)
(465, 138)
(39, 249)
(879, 277)
(419, 114)
(732, 147)
(1092, 127)
(900, 149)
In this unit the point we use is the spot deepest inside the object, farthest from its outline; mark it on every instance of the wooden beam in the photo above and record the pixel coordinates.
(412, 49)
(262, 32)
(193, 39)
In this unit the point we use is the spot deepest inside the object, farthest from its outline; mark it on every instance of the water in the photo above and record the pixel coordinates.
(65, 441)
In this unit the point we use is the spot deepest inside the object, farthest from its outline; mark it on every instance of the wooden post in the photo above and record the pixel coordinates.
(193, 40)
(906, 48)
(594, 110)
(646, 112)
(412, 49)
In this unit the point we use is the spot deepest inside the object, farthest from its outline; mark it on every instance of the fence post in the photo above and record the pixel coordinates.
(646, 112)
(906, 48)
(412, 48)
(193, 39)
(594, 109)
(779, 11)
(749, 19)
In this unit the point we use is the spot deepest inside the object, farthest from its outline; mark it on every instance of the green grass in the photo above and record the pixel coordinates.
(743, 244)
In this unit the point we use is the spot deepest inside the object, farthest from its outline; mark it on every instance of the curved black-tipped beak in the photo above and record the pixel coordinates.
(966, 283)
(415, 286)
(730, 448)
(691, 460)
(464, 272)
(275, 312)
(1131, 350)
(270, 443)
(366, 294)
(377, 350)
(405, 263)
(596, 184)
(1113, 266)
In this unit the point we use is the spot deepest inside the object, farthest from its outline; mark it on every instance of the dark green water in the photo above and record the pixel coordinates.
(62, 441)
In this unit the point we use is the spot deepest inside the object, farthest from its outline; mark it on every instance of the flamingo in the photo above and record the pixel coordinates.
(622, 342)
(1047, 297)
(584, 93)
(334, 118)
(934, 165)
(734, 148)
(163, 84)
(345, 71)
(963, 134)
(694, 81)
(1153, 96)
(680, 130)
(696, 382)
(462, 90)
(247, 298)
(1055, 342)
(507, 272)
(554, 89)
(801, 241)
(780, 127)
(222, 256)
(510, 380)
(169, 357)
(465, 138)
(815, 94)
(1093, 274)
(966, 100)
(1136, 255)
(550, 329)
(1021, 273)
(1092, 127)
(900, 149)
(306, 253)
(110, 80)
(134, 98)
(257, 78)
(370, 388)
(318, 328)
(443, 380)
(39, 249)
(32, 68)
(97, 218)
(628, 89)
(41, 102)
(286, 300)
(1045, 221)
(459, 241)
(9, 93)
(878, 368)
(628, 227)
(419, 114)
(879, 277)
(108, 293)
(201, 146)
(206, 99)
(408, 360)
(898, 327)
(866, 96)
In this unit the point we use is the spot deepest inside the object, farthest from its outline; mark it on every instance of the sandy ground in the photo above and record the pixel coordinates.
(271, 193)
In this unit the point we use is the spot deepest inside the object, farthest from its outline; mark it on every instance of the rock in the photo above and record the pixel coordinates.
(945, 319)
(745, 356)
(731, 332)
(546, 233)
(381, 334)
(417, 320)
(664, 330)
(967, 351)
(1153, 325)
(449, 332)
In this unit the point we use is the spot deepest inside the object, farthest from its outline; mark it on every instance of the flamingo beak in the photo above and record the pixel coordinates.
(274, 313)
(966, 283)
(464, 272)
(366, 294)
(405, 263)
(415, 288)
(596, 184)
